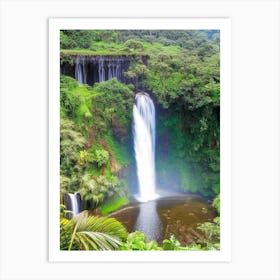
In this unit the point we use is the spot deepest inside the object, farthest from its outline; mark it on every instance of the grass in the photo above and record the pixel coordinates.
(102, 48)
(120, 150)
(113, 204)
(93, 52)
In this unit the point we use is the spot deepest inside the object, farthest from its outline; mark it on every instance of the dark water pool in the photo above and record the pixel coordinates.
(159, 219)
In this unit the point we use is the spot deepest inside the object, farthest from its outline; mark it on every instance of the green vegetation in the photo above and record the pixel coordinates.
(101, 233)
(91, 233)
(137, 241)
(216, 203)
(93, 147)
(113, 204)
(212, 230)
(173, 244)
(186, 84)
(71, 143)
(115, 42)
(101, 157)
(94, 190)
(181, 71)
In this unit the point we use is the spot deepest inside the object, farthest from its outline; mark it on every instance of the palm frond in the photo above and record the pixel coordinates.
(92, 233)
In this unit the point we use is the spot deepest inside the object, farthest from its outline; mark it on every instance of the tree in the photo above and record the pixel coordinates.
(136, 72)
(134, 45)
(71, 142)
(95, 189)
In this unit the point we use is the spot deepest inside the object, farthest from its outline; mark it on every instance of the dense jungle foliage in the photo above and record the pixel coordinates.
(182, 74)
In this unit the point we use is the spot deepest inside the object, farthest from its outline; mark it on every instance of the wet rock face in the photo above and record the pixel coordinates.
(91, 69)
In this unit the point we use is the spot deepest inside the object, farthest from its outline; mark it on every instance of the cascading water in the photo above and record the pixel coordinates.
(144, 145)
(74, 203)
(96, 69)
(101, 70)
(80, 73)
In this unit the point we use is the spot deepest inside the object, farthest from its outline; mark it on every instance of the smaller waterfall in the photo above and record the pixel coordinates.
(118, 73)
(80, 70)
(72, 202)
(96, 69)
(110, 71)
(101, 70)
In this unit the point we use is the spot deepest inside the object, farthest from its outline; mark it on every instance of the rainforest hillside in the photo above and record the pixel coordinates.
(103, 72)
(181, 72)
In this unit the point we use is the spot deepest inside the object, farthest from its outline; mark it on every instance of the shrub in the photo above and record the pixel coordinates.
(83, 157)
(69, 102)
(134, 45)
(137, 241)
(71, 142)
(95, 190)
(171, 244)
(216, 203)
(101, 157)
(212, 231)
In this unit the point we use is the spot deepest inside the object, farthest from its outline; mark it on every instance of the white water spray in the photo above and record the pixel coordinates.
(144, 145)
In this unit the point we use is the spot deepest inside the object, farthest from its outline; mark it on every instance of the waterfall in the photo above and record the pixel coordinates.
(110, 71)
(144, 145)
(101, 70)
(80, 72)
(96, 69)
(74, 204)
(117, 73)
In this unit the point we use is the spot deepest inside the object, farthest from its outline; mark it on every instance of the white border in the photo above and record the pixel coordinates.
(55, 255)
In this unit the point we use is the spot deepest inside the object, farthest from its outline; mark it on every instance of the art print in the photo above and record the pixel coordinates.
(138, 140)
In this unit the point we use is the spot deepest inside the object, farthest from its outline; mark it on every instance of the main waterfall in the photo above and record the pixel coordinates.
(144, 145)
